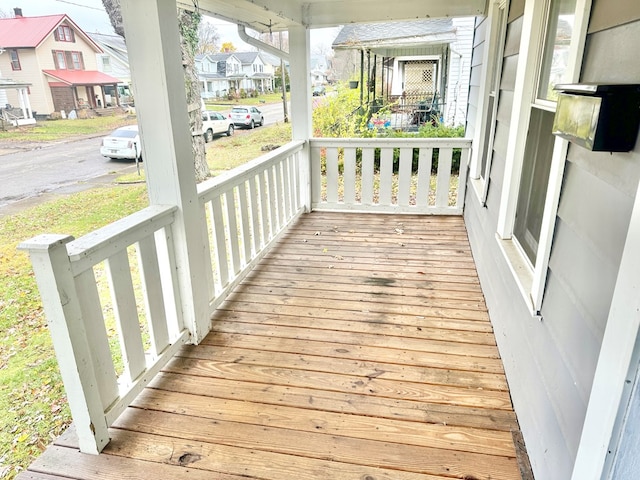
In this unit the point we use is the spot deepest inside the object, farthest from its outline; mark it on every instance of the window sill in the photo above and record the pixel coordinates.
(477, 184)
(521, 270)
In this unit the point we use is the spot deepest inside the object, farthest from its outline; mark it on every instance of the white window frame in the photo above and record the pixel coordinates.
(492, 58)
(531, 279)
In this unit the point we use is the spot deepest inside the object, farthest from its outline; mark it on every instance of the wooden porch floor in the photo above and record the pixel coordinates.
(359, 348)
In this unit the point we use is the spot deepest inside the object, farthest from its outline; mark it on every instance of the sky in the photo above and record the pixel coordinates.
(91, 17)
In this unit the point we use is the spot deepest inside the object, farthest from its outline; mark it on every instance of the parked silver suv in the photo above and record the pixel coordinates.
(249, 117)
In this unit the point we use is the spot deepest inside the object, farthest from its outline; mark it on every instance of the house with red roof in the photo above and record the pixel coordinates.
(56, 59)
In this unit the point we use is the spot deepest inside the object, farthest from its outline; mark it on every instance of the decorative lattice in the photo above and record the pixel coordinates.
(419, 78)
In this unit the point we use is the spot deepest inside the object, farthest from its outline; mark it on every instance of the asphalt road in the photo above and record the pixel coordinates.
(31, 171)
(53, 167)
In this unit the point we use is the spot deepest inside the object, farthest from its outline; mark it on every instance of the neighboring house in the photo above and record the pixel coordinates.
(254, 66)
(20, 114)
(57, 59)
(416, 62)
(319, 67)
(554, 229)
(114, 61)
(221, 73)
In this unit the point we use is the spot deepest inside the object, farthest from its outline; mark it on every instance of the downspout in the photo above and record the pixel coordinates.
(245, 37)
(361, 75)
(278, 52)
(453, 108)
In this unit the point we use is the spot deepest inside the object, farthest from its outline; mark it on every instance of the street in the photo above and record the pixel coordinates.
(68, 166)
(30, 173)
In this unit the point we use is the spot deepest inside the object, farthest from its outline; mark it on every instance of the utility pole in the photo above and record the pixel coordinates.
(284, 83)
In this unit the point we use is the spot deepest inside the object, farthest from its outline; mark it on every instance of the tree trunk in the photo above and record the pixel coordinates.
(188, 26)
(188, 22)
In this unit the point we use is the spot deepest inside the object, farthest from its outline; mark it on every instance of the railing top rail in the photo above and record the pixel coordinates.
(96, 246)
(239, 174)
(392, 142)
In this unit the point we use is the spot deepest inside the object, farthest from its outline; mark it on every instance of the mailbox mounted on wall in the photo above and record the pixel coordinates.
(603, 118)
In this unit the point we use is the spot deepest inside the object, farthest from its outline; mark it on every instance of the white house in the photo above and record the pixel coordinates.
(114, 61)
(416, 61)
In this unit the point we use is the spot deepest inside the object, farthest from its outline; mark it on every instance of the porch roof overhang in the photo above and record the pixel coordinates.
(7, 84)
(81, 77)
(278, 15)
(395, 35)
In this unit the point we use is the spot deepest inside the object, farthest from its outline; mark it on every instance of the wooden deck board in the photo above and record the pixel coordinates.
(359, 348)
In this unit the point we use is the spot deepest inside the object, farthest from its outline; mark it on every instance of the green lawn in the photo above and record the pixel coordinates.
(50, 130)
(33, 408)
(224, 104)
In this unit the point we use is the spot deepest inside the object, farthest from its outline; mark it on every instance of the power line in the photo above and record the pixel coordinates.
(80, 5)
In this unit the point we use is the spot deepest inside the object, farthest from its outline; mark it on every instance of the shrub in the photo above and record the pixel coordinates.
(342, 116)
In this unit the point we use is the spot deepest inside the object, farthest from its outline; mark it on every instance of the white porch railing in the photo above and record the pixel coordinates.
(66, 272)
(243, 213)
(246, 210)
(389, 175)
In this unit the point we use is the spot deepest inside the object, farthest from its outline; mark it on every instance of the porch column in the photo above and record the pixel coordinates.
(25, 105)
(161, 107)
(299, 54)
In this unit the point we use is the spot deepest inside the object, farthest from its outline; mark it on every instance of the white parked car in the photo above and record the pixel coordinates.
(124, 142)
(214, 123)
(247, 117)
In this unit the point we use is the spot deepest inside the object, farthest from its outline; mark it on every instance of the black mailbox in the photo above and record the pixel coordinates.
(603, 118)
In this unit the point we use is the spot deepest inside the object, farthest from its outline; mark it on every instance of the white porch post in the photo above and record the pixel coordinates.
(617, 367)
(299, 53)
(156, 69)
(59, 294)
(25, 105)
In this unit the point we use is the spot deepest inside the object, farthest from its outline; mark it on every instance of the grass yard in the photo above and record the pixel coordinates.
(51, 130)
(33, 408)
(225, 153)
(224, 104)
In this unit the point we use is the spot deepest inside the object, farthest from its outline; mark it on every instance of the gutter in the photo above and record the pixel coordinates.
(245, 37)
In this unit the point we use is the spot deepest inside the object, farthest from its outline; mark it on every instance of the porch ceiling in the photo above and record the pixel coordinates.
(276, 15)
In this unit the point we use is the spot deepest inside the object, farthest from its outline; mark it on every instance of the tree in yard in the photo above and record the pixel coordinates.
(208, 38)
(227, 47)
(188, 25)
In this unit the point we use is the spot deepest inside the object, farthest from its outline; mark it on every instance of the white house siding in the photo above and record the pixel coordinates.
(460, 54)
(30, 72)
(476, 69)
(550, 363)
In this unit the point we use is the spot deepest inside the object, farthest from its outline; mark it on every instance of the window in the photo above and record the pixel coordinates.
(533, 178)
(489, 90)
(65, 60)
(540, 141)
(76, 61)
(59, 60)
(106, 64)
(533, 183)
(64, 34)
(15, 60)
